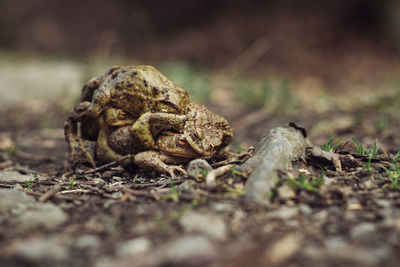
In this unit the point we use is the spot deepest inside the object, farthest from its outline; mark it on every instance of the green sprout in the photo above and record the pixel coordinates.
(29, 183)
(196, 202)
(72, 183)
(360, 149)
(236, 171)
(201, 173)
(303, 182)
(235, 191)
(175, 214)
(174, 195)
(372, 153)
(329, 147)
(393, 172)
(364, 152)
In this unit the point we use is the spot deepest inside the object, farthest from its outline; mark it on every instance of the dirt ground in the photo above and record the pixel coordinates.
(319, 213)
(348, 217)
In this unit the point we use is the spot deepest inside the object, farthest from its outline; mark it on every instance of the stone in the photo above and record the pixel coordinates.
(188, 248)
(133, 247)
(211, 225)
(364, 232)
(335, 242)
(305, 209)
(42, 250)
(15, 201)
(10, 176)
(44, 214)
(198, 168)
(283, 213)
(284, 249)
(24, 211)
(285, 192)
(87, 241)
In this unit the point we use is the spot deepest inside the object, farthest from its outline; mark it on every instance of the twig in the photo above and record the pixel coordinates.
(105, 166)
(134, 192)
(75, 191)
(212, 175)
(155, 184)
(336, 159)
(50, 193)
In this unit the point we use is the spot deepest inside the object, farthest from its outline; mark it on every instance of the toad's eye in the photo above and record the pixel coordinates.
(122, 115)
(197, 134)
(181, 141)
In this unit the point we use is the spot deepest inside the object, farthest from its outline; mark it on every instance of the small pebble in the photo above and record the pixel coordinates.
(211, 225)
(198, 168)
(134, 247)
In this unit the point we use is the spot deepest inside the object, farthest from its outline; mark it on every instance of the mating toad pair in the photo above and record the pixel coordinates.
(136, 110)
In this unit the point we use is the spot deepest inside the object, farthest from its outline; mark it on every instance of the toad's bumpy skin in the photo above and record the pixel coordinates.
(133, 89)
(138, 111)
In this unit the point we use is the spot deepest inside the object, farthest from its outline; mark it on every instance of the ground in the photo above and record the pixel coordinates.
(333, 217)
(318, 213)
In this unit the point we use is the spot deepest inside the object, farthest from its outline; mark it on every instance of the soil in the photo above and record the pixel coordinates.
(320, 213)
(119, 218)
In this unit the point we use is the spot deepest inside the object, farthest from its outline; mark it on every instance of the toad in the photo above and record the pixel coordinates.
(175, 139)
(134, 90)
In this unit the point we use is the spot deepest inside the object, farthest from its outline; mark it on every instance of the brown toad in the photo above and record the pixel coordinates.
(133, 89)
(198, 133)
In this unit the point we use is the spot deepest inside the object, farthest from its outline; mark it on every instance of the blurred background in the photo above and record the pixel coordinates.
(248, 60)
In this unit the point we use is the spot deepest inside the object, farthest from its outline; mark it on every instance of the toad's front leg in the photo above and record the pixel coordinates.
(142, 134)
(154, 160)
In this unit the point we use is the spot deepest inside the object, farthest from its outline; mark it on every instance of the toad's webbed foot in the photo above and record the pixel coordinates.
(175, 169)
(154, 160)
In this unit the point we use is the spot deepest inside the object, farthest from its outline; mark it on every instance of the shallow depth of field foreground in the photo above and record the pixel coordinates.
(267, 134)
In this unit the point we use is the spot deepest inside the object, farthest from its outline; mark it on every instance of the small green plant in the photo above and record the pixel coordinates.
(360, 149)
(72, 183)
(176, 214)
(235, 191)
(201, 173)
(29, 183)
(236, 171)
(174, 195)
(393, 172)
(303, 182)
(329, 147)
(396, 157)
(373, 153)
(197, 202)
